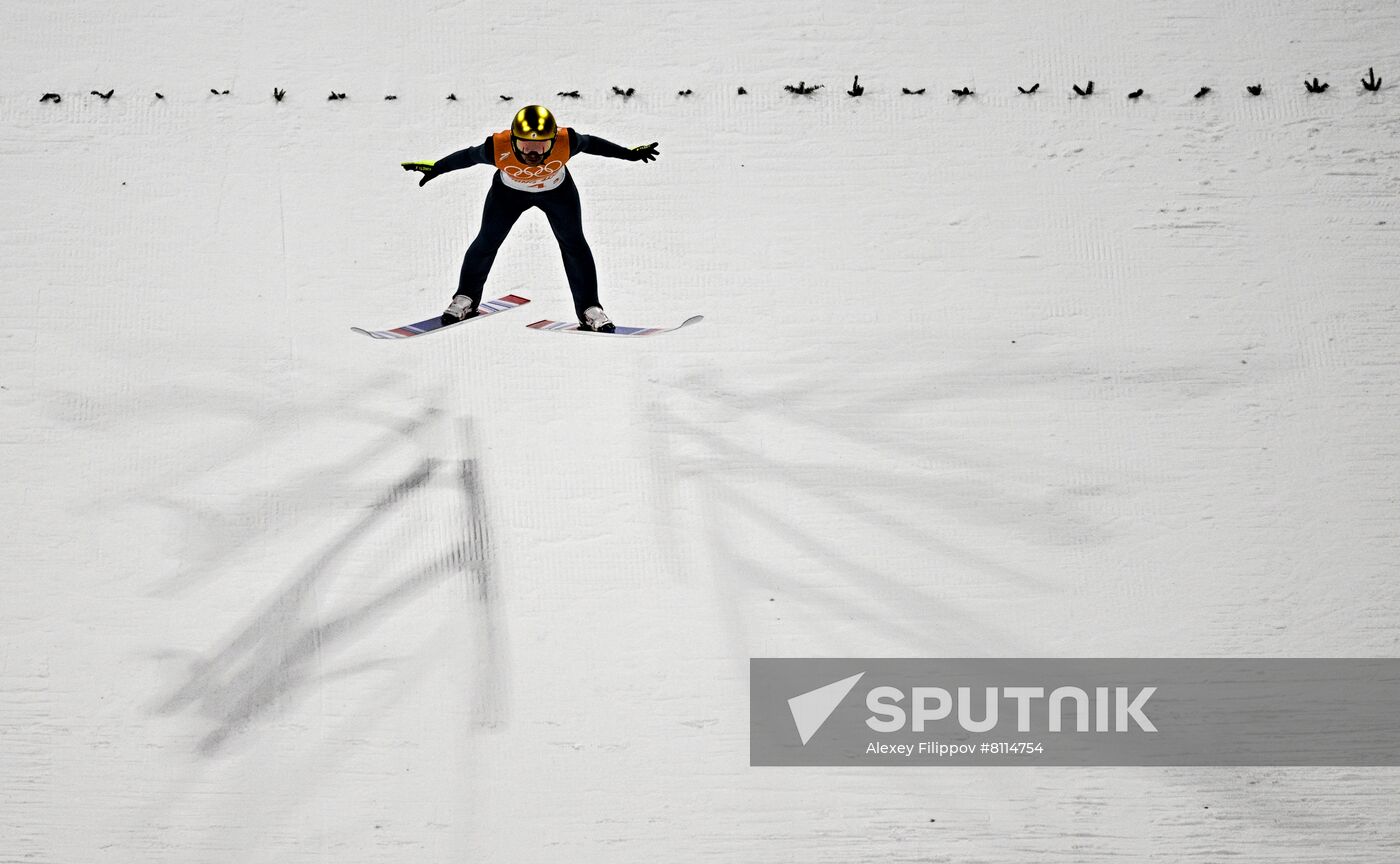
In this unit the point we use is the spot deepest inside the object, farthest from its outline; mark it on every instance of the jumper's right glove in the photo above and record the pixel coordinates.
(428, 169)
(645, 153)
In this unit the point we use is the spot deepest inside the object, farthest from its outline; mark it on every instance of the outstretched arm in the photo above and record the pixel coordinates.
(478, 155)
(581, 143)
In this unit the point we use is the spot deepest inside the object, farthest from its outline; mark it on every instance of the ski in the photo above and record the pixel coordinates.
(572, 327)
(483, 310)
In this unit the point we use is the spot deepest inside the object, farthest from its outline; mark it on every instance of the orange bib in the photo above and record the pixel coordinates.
(531, 178)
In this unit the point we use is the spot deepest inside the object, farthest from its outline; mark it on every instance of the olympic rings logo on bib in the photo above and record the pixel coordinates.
(524, 173)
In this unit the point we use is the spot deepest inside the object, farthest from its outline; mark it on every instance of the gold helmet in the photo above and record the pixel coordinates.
(534, 123)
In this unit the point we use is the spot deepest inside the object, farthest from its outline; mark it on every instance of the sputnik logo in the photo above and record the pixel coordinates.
(811, 709)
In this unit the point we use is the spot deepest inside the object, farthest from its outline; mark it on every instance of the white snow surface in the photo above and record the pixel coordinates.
(998, 376)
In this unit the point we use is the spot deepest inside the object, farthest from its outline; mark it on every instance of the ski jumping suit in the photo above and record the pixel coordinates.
(515, 188)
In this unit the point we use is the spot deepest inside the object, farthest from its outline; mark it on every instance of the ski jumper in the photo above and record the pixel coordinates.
(515, 188)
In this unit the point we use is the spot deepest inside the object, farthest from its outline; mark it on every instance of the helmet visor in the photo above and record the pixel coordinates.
(533, 152)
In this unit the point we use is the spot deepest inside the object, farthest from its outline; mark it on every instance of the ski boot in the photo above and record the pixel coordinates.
(595, 319)
(460, 309)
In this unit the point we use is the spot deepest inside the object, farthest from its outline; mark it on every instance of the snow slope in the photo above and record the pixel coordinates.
(1002, 376)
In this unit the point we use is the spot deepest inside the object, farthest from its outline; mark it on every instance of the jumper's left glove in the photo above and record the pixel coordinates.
(645, 153)
(428, 169)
